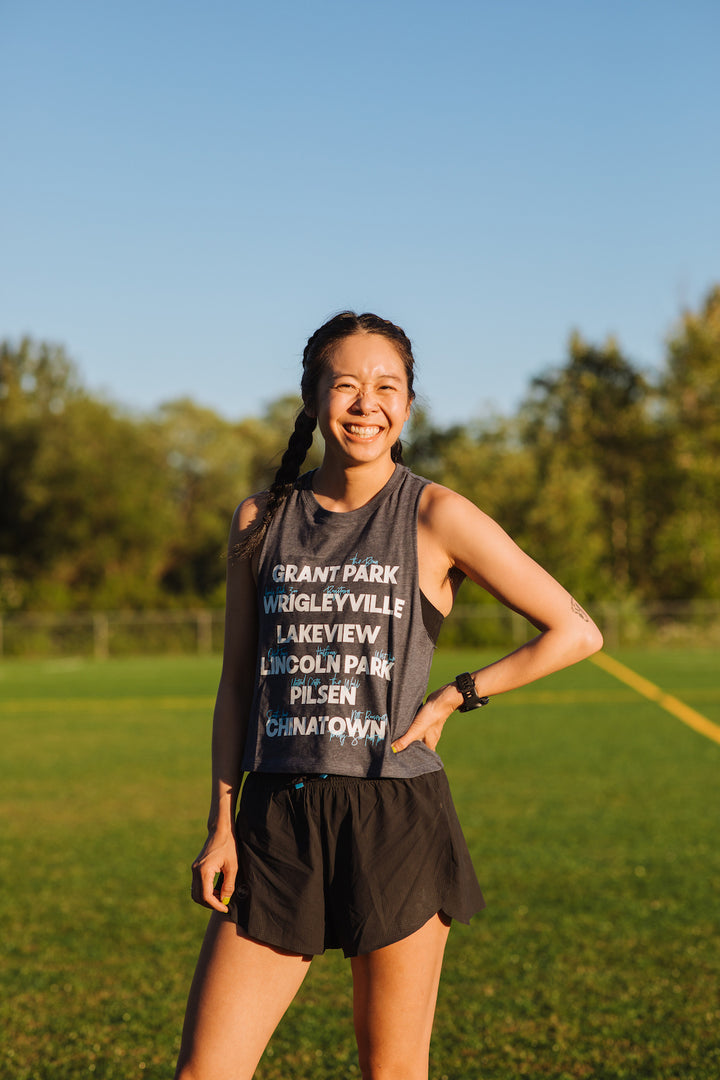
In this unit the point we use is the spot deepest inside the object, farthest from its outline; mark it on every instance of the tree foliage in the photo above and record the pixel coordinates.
(689, 533)
(607, 476)
(592, 418)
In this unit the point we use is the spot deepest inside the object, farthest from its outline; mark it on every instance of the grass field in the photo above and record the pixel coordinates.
(591, 815)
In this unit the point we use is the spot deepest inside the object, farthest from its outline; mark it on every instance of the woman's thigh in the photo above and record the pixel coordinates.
(240, 991)
(394, 995)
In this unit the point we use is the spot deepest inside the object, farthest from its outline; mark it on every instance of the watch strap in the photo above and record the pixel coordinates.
(465, 684)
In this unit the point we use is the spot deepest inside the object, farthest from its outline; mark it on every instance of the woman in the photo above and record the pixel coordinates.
(346, 835)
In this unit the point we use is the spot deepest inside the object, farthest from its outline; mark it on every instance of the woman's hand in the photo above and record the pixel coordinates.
(218, 856)
(430, 719)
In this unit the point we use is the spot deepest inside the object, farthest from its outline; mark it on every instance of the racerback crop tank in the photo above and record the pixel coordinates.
(344, 651)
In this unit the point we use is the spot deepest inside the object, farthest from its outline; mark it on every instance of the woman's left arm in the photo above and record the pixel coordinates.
(465, 538)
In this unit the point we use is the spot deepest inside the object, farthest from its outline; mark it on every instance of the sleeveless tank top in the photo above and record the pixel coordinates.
(344, 652)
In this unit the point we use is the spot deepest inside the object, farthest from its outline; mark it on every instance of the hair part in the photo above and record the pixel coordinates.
(316, 357)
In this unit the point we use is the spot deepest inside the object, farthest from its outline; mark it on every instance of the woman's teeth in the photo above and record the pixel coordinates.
(364, 432)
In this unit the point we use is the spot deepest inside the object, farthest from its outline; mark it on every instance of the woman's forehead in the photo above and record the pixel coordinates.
(370, 355)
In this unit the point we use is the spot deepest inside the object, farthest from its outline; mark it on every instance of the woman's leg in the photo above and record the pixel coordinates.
(394, 995)
(240, 991)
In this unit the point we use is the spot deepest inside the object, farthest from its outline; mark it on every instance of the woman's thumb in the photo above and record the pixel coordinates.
(404, 741)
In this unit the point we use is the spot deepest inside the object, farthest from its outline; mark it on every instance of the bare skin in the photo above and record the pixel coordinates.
(239, 994)
(394, 995)
(242, 987)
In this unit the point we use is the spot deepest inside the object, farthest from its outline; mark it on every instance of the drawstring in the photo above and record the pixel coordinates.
(301, 780)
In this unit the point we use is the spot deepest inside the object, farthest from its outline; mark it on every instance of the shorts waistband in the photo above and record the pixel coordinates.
(297, 781)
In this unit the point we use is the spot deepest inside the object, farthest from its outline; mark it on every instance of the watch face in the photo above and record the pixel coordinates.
(464, 684)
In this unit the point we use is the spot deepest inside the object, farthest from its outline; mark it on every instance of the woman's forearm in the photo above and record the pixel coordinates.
(551, 651)
(228, 744)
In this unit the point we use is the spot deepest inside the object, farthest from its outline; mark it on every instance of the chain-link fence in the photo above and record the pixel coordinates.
(103, 634)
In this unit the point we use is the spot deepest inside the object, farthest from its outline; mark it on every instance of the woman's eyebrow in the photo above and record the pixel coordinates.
(378, 378)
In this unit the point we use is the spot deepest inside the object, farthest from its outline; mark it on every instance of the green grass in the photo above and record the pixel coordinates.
(591, 815)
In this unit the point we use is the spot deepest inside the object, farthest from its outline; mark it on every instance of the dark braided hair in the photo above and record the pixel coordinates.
(316, 355)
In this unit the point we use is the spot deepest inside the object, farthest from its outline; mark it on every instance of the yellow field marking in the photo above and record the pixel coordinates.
(671, 704)
(527, 696)
(105, 705)
(102, 706)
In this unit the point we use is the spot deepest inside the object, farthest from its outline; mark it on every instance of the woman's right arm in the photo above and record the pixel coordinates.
(230, 721)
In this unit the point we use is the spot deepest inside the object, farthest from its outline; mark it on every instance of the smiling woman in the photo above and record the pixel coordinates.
(361, 404)
(346, 835)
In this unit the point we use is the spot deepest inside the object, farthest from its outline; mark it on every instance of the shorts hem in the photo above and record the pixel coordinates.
(349, 951)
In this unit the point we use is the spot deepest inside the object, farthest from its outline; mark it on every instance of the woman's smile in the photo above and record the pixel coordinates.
(363, 431)
(362, 398)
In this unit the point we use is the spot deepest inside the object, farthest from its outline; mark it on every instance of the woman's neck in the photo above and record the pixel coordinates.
(340, 489)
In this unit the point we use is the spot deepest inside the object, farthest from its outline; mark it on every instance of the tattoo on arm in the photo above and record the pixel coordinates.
(578, 610)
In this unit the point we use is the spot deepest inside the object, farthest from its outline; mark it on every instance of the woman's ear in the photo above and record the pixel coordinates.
(310, 410)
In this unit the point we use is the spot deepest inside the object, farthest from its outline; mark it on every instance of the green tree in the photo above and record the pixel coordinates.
(264, 440)
(591, 422)
(37, 382)
(212, 464)
(549, 508)
(689, 534)
(83, 516)
(206, 466)
(485, 462)
(611, 482)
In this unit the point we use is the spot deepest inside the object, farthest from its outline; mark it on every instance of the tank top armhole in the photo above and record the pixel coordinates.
(432, 618)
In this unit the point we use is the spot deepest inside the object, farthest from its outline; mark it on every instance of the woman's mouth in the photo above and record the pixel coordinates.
(363, 431)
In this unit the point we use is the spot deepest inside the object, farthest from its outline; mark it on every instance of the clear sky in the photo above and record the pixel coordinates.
(190, 189)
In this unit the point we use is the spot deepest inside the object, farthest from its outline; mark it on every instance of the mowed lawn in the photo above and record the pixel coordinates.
(592, 818)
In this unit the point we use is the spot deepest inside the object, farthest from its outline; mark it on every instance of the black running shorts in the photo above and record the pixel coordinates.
(346, 862)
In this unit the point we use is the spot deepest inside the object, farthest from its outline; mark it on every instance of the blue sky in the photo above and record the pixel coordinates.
(189, 189)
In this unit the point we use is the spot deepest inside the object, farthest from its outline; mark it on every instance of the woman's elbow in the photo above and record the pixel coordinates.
(592, 640)
(581, 641)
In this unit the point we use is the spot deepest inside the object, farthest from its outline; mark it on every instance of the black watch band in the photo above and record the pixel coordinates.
(466, 686)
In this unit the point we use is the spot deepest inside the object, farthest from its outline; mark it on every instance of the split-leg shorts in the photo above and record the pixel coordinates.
(348, 862)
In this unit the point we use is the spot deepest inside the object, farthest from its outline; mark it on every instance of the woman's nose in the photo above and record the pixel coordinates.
(364, 402)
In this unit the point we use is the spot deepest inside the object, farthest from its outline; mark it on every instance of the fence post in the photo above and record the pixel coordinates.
(204, 632)
(518, 627)
(101, 636)
(611, 624)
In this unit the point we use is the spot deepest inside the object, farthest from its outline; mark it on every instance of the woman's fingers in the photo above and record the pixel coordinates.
(225, 885)
(422, 729)
(213, 880)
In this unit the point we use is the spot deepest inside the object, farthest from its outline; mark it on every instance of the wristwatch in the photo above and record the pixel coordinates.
(466, 686)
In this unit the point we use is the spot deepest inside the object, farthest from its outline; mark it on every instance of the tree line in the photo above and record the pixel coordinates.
(607, 474)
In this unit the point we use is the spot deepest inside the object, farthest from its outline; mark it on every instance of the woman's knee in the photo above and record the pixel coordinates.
(384, 1067)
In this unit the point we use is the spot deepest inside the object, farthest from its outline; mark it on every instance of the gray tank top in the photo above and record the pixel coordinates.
(344, 651)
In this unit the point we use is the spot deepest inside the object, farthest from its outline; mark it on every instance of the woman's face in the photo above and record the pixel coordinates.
(362, 399)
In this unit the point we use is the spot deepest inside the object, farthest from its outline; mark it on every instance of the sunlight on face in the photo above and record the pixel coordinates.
(363, 398)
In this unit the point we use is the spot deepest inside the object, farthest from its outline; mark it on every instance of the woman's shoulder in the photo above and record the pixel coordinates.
(249, 512)
(452, 519)
(438, 501)
(248, 517)
(251, 509)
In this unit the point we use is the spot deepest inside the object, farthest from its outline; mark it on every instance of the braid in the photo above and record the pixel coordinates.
(298, 445)
(313, 357)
